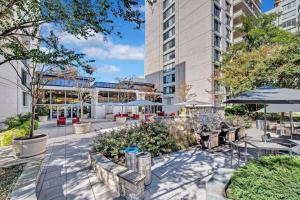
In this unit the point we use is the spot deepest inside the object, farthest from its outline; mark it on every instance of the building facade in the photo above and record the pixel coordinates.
(289, 11)
(184, 40)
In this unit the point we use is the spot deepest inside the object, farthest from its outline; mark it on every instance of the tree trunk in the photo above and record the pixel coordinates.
(81, 110)
(32, 118)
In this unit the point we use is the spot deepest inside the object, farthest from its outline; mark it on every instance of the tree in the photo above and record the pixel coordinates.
(122, 85)
(267, 56)
(184, 92)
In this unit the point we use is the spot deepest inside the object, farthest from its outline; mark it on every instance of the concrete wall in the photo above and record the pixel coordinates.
(11, 100)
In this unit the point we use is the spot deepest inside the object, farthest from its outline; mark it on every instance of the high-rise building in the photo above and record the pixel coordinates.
(184, 40)
(289, 11)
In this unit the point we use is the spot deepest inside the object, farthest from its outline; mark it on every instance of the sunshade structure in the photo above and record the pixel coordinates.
(194, 103)
(142, 103)
(267, 95)
(281, 108)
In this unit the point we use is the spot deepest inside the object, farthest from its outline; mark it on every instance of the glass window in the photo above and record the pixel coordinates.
(217, 41)
(71, 97)
(217, 26)
(169, 34)
(24, 77)
(168, 68)
(169, 56)
(25, 99)
(291, 22)
(58, 97)
(169, 45)
(227, 45)
(167, 3)
(113, 96)
(217, 55)
(44, 97)
(169, 22)
(217, 12)
(169, 89)
(228, 6)
(102, 96)
(169, 78)
(289, 6)
(228, 33)
(168, 100)
(289, 14)
(169, 12)
(228, 20)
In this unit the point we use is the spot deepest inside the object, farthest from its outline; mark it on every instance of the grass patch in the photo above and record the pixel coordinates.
(271, 177)
(8, 178)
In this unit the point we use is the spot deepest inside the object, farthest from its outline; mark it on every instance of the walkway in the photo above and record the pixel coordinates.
(66, 173)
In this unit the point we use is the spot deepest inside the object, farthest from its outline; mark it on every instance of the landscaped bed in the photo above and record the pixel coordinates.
(150, 137)
(8, 178)
(271, 177)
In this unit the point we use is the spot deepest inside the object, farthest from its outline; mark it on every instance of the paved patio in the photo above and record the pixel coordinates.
(66, 173)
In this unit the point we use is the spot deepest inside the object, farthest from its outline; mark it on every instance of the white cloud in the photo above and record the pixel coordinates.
(108, 69)
(100, 47)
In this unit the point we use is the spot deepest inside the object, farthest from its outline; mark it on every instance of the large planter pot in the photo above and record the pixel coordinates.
(121, 120)
(43, 118)
(28, 147)
(82, 128)
(109, 116)
(85, 116)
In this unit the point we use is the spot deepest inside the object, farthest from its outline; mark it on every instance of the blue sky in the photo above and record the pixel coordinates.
(120, 57)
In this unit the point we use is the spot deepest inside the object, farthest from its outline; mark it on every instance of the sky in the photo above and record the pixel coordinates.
(119, 57)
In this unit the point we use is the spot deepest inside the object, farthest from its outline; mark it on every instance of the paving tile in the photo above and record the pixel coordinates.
(51, 193)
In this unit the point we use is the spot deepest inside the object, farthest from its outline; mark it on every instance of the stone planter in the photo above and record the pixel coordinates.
(121, 120)
(82, 128)
(27, 147)
(109, 116)
(85, 116)
(43, 118)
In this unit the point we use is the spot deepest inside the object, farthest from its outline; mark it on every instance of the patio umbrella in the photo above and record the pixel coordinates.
(193, 103)
(142, 103)
(268, 95)
(276, 108)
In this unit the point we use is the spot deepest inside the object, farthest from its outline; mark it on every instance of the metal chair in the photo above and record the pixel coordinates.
(237, 150)
(296, 150)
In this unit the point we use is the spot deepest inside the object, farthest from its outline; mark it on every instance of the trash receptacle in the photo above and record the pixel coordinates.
(144, 165)
(130, 155)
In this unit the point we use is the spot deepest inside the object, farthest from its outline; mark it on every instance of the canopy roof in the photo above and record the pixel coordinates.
(268, 95)
(142, 103)
(194, 103)
(281, 108)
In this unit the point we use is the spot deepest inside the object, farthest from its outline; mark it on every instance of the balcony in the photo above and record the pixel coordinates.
(247, 6)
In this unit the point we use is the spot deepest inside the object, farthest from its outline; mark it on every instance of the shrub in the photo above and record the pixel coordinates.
(235, 109)
(13, 122)
(6, 137)
(271, 177)
(42, 110)
(237, 120)
(153, 138)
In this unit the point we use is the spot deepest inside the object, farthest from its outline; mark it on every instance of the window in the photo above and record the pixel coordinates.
(289, 14)
(169, 45)
(289, 6)
(228, 20)
(217, 12)
(217, 41)
(168, 100)
(217, 55)
(24, 77)
(170, 33)
(25, 99)
(227, 6)
(227, 46)
(217, 26)
(167, 3)
(169, 11)
(169, 89)
(169, 22)
(169, 68)
(169, 78)
(102, 96)
(291, 22)
(228, 33)
(169, 56)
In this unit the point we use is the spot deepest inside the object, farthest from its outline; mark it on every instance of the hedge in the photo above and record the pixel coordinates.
(270, 177)
(6, 137)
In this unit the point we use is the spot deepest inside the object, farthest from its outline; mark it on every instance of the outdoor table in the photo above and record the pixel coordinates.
(266, 146)
(295, 141)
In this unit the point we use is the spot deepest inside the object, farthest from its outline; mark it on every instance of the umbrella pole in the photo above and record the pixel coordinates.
(265, 122)
(291, 124)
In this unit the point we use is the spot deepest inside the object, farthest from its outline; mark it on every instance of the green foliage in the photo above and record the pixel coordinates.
(9, 176)
(153, 138)
(19, 126)
(271, 177)
(237, 120)
(236, 109)
(268, 55)
(43, 110)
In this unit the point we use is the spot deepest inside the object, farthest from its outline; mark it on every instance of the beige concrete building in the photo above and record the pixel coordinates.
(290, 14)
(184, 40)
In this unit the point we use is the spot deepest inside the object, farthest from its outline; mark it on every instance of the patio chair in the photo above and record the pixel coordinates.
(75, 120)
(61, 121)
(238, 151)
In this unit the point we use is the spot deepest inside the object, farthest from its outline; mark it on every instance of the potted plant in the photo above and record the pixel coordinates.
(85, 112)
(81, 128)
(121, 119)
(43, 112)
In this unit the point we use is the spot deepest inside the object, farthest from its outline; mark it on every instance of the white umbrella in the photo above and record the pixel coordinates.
(142, 103)
(193, 103)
